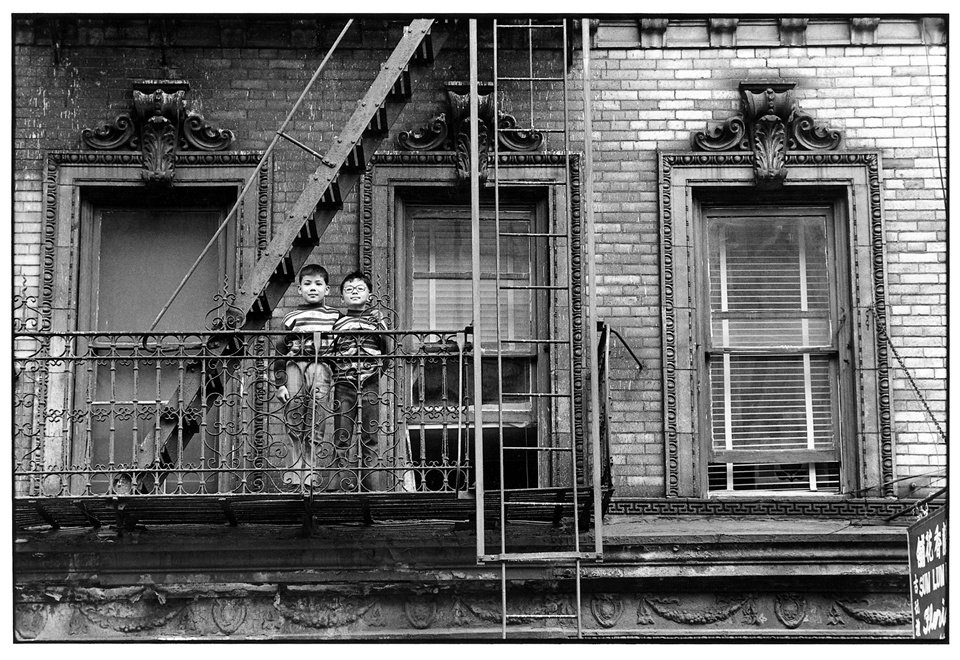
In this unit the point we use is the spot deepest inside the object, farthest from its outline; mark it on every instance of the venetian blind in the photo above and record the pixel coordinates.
(442, 287)
(771, 365)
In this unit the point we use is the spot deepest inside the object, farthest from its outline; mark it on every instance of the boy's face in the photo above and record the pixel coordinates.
(312, 289)
(356, 294)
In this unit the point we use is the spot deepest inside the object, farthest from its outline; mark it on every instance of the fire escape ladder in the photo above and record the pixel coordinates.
(564, 443)
(301, 229)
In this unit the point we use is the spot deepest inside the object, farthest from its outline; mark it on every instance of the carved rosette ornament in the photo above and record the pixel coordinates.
(159, 126)
(770, 124)
(450, 130)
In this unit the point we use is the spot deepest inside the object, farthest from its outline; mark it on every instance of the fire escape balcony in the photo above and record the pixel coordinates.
(87, 406)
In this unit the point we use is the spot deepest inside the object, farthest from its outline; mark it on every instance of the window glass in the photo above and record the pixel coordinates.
(772, 355)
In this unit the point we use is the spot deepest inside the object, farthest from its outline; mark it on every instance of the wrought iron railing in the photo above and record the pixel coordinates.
(100, 414)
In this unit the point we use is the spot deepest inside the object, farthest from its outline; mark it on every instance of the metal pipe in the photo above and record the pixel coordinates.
(588, 230)
(475, 264)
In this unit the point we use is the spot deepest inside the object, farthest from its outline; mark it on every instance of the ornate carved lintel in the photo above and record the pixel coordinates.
(450, 130)
(770, 124)
(158, 125)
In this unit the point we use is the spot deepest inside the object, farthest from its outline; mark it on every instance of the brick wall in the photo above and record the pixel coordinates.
(889, 98)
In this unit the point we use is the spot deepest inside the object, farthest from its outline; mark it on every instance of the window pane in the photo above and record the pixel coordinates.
(772, 403)
(442, 287)
(769, 283)
(825, 477)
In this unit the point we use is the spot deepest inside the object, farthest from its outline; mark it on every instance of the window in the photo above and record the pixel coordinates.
(442, 289)
(134, 252)
(772, 348)
(775, 382)
(439, 270)
(415, 241)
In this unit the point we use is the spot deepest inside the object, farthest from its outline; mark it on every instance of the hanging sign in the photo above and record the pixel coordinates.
(928, 575)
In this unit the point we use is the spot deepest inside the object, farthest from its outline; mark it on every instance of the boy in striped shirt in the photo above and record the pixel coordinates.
(304, 376)
(356, 391)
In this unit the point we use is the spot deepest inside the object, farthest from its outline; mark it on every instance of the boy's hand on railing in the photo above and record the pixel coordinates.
(282, 394)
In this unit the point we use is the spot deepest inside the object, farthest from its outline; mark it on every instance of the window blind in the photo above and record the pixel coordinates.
(772, 354)
(442, 287)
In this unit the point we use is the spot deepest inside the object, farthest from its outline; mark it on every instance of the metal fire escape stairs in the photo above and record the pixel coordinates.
(520, 553)
(300, 231)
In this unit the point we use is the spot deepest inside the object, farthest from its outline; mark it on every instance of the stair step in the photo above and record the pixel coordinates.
(424, 54)
(379, 125)
(332, 195)
(402, 89)
(309, 233)
(356, 161)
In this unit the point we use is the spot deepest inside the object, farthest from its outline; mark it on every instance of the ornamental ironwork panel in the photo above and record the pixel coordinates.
(86, 405)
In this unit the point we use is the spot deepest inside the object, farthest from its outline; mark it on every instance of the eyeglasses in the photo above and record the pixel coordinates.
(360, 288)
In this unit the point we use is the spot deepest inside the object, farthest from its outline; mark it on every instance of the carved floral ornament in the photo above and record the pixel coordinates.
(159, 125)
(770, 124)
(450, 130)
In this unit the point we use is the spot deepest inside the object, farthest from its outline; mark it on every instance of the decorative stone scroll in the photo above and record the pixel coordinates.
(450, 130)
(159, 125)
(770, 124)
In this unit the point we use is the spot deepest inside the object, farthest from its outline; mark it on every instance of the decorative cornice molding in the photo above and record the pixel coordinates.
(449, 130)
(419, 611)
(542, 158)
(653, 31)
(97, 158)
(723, 32)
(770, 123)
(793, 31)
(873, 508)
(934, 31)
(159, 125)
(863, 31)
(769, 32)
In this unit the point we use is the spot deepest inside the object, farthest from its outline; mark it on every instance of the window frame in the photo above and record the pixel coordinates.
(391, 175)
(840, 300)
(68, 175)
(852, 181)
(515, 413)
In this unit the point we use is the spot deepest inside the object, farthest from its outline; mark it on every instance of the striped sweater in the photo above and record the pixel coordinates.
(349, 346)
(300, 326)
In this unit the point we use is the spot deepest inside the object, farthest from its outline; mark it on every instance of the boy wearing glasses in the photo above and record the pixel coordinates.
(356, 391)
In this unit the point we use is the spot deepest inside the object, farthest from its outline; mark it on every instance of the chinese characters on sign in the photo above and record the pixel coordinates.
(928, 575)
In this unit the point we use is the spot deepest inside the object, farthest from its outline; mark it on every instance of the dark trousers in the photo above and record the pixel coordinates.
(357, 453)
